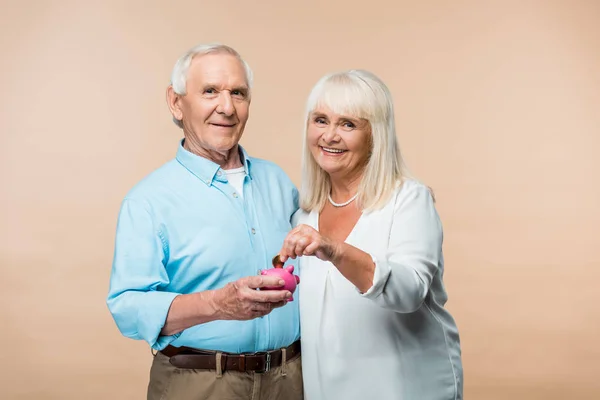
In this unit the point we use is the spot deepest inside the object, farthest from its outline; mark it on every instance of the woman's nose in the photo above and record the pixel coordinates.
(331, 135)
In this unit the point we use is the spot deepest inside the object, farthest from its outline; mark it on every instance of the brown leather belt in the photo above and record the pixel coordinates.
(186, 357)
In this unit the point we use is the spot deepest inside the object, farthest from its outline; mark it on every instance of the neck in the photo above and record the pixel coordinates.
(343, 188)
(228, 159)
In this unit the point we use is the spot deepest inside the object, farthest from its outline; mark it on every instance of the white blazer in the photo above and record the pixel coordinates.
(396, 341)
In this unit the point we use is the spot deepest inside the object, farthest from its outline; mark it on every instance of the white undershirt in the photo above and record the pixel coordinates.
(236, 179)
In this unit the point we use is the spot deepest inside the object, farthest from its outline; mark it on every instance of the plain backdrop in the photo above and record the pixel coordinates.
(497, 106)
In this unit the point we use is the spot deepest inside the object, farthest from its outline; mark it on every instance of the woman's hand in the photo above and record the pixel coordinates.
(304, 240)
(354, 264)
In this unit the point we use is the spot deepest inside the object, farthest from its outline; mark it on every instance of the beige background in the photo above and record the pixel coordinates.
(498, 109)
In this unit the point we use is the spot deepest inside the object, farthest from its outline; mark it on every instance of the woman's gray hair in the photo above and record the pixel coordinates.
(359, 94)
(180, 70)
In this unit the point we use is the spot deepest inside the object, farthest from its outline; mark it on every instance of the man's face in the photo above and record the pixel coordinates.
(215, 109)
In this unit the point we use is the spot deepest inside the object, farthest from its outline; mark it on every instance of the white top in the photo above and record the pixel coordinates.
(236, 177)
(396, 341)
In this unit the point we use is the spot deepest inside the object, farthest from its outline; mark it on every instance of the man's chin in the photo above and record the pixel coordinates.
(226, 147)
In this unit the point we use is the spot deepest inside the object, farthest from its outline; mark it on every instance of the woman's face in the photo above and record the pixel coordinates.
(340, 144)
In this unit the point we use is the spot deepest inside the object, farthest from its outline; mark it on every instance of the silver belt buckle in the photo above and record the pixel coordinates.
(268, 363)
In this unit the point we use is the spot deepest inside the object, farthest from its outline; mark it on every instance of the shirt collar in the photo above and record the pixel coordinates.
(204, 169)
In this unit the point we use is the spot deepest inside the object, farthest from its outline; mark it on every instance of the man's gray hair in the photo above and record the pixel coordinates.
(180, 70)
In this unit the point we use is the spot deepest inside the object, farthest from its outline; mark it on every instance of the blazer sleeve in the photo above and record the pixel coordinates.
(402, 279)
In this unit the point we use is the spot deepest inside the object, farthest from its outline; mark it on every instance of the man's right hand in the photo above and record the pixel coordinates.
(237, 300)
(240, 300)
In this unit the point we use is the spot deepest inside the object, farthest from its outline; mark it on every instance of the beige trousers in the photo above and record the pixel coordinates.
(171, 383)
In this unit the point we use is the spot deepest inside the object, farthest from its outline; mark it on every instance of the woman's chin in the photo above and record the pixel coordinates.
(331, 169)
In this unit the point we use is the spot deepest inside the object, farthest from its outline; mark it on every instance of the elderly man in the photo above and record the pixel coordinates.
(191, 238)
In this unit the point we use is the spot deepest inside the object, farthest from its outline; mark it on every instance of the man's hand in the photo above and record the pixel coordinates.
(240, 300)
(304, 240)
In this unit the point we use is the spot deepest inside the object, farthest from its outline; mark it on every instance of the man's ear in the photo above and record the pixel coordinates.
(174, 103)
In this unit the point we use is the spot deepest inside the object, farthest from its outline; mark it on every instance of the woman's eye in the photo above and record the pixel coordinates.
(349, 125)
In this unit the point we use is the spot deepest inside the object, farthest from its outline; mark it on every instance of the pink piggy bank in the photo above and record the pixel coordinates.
(291, 280)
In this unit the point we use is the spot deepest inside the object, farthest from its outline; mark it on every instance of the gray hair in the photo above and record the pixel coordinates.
(359, 94)
(179, 74)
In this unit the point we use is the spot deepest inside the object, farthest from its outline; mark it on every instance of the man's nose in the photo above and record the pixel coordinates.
(225, 105)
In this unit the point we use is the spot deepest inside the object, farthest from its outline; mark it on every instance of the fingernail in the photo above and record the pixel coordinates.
(281, 283)
(288, 295)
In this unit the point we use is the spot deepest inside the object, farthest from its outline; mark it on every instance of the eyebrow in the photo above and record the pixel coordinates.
(315, 114)
(352, 119)
(242, 88)
(238, 87)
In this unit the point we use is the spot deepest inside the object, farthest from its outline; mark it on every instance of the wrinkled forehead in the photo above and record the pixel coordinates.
(218, 68)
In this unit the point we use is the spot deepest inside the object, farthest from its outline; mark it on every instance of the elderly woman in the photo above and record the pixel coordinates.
(370, 240)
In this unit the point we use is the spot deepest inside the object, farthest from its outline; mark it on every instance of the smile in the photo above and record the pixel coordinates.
(224, 125)
(332, 151)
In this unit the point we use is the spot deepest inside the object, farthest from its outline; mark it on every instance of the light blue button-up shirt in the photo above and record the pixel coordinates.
(184, 229)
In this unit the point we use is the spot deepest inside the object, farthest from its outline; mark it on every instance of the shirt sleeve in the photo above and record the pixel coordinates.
(402, 280)
(136, 298)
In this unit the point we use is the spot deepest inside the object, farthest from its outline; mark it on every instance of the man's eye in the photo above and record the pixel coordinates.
(210, 91)
(319, 121)
(238, 93)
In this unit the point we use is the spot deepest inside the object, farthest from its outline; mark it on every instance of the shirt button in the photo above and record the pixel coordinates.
(253, 231)
(235, 195)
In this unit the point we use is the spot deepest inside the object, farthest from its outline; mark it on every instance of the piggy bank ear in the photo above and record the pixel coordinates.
(289, 268)
(263, 272)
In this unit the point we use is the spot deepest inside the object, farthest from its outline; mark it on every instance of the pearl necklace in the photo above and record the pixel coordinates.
(333, 203)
